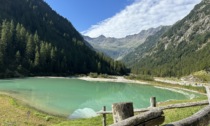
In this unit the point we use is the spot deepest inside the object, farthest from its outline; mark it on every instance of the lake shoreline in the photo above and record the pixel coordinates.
(122, 79)
(119, 79)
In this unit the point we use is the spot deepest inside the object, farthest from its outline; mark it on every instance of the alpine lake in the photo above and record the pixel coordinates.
(74, 98)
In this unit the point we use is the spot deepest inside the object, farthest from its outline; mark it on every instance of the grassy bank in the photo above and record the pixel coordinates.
(188, 87)
(163, 84)
(16, 113)
(172, 115)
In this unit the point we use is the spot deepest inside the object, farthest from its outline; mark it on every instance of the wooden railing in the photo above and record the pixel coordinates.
(181, 105)
(154, 115)
(201, 118)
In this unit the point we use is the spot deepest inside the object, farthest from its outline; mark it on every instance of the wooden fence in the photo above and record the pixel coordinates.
(154, 115)
(201, 118)
(151, 118)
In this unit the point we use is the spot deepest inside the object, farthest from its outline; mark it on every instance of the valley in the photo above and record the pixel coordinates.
(118, 48)
(53, 73)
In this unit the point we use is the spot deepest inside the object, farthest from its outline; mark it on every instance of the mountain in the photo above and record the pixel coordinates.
(117, 48)
(183, 49)
(35, 40)
(138, 53)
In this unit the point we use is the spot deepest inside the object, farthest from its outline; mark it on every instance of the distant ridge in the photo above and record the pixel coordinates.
(117, 48)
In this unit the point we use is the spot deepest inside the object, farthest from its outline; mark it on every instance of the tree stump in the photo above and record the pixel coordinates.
(122, 111)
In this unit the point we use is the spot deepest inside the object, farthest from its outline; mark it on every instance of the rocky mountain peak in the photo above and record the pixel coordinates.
(117, 48)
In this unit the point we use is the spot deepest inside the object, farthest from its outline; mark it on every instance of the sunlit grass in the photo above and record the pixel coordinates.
(173, 115)
(96, 121)
(203, 75)
(15, 113)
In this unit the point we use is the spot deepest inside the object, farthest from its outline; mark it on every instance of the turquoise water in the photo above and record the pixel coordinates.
(77, 98)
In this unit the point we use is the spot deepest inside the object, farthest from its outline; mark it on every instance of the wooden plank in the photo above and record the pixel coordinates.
(141, 118)
(182, 105)
(201, 118)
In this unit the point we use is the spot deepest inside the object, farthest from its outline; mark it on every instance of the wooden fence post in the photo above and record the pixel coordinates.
(104, 116)
(122, 111)
(208, 92)
(153, 102)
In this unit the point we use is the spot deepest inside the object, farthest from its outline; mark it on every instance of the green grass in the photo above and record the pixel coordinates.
(96, 121)
(15, 113)
(189, 87)
(203, 75)
(173, 115)
(43, 119)
(150, 80)
(140, 77)
(13, 102)
(201, 98)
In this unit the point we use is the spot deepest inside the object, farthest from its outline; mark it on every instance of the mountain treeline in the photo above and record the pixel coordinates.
(183, 49)
(25, 53)
(180, 61)
(35, 40)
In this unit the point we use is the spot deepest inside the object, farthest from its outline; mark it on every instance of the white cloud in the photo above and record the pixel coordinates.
(141, 15)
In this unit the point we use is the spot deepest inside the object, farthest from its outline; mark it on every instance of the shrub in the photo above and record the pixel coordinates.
(93, 75)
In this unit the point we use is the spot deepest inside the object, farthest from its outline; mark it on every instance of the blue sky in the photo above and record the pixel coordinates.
(119, 18)
(85, 13)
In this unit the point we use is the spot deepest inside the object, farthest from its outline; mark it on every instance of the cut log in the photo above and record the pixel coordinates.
(153, 117)
(184, 105)
(154, 122)
(122, 111)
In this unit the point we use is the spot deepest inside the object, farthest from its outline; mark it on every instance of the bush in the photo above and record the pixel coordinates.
(48, 118)
(93, 75)
(140, 77)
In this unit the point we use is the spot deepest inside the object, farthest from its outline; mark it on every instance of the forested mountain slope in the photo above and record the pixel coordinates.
(183, 49)
(35, 40)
